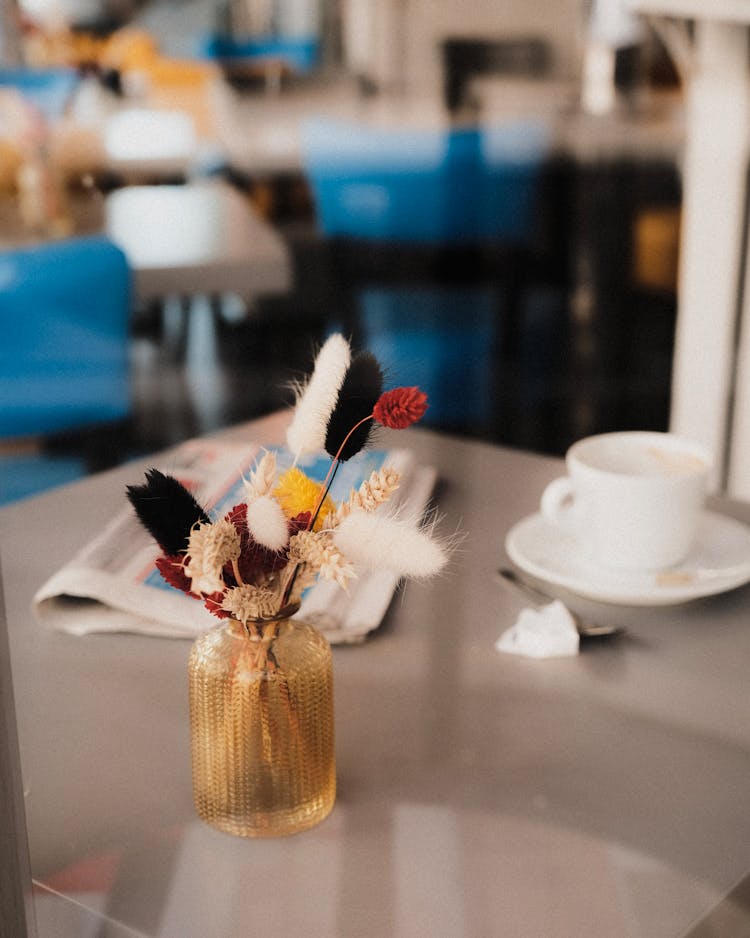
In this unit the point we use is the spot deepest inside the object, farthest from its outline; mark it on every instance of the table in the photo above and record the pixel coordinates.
(140, 142)
(197, 239)
(479, 794)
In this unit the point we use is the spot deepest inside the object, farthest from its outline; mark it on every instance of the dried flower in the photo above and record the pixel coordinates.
(296, 492)
(400, 407)
(248, 602)
(307, 431)
(348, 431)
(267, 523)
(210, 547)
(172, 568)
(373, 492)
(262, 477)
(317, 550)
(254, 560)
(389, 543)
(166, 509)
(264, 552)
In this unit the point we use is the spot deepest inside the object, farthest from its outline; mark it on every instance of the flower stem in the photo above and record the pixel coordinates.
(236, 571)
(325, 489)
(327, 482)
(287, 592)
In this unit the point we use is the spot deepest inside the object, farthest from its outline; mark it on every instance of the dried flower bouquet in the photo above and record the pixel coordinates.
(253, 564)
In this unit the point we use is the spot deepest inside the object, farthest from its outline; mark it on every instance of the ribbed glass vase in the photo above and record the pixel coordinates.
(261, 725)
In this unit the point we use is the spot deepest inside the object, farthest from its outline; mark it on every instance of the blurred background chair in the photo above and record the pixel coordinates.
(49, 90)
(430, 231)
(64, 360)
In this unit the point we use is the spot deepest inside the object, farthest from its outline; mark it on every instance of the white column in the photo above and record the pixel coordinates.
(714, 192)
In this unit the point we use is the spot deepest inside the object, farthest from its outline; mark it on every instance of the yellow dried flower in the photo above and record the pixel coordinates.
(297, 492)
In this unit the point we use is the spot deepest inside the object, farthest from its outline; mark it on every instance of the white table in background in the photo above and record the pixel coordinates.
(140, 142)
(196, 239)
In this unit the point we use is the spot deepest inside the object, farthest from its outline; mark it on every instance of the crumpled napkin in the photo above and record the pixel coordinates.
(546, 632)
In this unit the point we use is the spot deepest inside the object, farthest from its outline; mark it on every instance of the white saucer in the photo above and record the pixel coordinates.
(720, 561)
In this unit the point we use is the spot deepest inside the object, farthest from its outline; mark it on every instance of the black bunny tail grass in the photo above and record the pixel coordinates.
(363, 385)
(167, 510)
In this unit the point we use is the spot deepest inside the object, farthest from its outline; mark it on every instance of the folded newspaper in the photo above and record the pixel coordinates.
(112, 584)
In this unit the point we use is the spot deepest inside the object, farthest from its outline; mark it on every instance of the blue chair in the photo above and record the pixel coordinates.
(426, 228)
(298, 54)
(460, 185)
(64, 359)
(48, 89)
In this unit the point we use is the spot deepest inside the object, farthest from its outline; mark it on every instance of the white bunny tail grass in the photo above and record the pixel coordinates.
(391, 543)
(307, 431)
(267, 523)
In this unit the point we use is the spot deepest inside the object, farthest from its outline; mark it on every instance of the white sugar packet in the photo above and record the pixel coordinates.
(546, 632)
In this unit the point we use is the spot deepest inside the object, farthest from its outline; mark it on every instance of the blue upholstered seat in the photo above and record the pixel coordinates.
(64, 315)
(48, 89)
(64, 320)
(440, 190)
(452, 185)
(22, 476)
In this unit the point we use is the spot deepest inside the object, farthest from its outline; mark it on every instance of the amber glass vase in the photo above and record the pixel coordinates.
(261, 725)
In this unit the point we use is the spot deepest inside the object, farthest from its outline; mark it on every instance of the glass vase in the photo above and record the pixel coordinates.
(261, 726)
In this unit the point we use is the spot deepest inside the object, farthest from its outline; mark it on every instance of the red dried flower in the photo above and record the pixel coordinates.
(254, 558)
(299, 522)
(213, 604)
(171, 567)
(400, 407)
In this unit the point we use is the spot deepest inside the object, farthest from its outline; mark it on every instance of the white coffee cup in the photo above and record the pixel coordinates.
(633, 499)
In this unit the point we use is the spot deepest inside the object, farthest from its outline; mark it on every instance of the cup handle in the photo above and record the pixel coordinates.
(558, 501)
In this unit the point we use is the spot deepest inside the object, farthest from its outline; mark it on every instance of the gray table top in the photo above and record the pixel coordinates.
(196, 239)
(480, 794)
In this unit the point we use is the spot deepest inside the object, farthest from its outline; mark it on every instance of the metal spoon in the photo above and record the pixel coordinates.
(586, 628)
